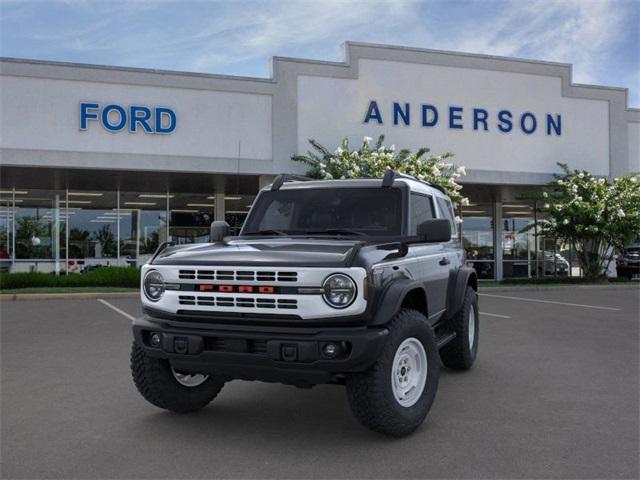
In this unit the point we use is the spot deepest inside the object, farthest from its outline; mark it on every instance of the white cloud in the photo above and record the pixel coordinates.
(239, 37)
(581, 32)
(258, 33)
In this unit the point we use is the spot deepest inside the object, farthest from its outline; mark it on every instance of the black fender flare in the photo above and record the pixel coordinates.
(458, 281)
(391, 298)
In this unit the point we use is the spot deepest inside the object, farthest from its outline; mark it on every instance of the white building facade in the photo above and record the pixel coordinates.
(100, 164)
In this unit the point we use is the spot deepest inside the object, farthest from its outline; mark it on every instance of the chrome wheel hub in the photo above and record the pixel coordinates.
(189, 379)
(409, 372)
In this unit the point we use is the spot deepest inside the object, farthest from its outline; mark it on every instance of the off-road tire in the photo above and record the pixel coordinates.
(370, 393)
(458, 354)
(155, 382)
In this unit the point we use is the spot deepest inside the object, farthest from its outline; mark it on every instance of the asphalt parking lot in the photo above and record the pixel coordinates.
(554, 394)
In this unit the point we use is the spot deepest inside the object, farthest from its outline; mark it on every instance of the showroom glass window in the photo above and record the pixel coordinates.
(478, 238)
(191, 215)
(518, 240)
(92, 231)
(236, 209)
(143, 224)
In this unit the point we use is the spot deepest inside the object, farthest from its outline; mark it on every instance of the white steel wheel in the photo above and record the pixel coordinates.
(409, 372)
(189, 379)
(472, 326)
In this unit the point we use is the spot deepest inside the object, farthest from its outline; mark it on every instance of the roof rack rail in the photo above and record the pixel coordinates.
(391, 175)
(286, 177)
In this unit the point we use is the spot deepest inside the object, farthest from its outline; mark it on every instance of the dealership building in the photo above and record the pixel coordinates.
(100, 164)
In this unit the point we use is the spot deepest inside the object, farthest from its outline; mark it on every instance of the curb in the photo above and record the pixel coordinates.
(66, 296)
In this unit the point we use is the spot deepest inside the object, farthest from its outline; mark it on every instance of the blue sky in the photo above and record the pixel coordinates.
(601, 38)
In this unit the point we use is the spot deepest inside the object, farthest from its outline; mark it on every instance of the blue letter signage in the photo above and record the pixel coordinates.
(478, 119)
(115, 118)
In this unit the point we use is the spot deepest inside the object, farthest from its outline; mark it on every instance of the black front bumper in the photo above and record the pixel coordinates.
(287, 355)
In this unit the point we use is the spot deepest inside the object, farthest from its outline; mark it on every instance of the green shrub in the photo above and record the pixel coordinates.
(102, 277)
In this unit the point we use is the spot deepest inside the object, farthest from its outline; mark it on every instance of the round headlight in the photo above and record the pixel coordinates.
(153, 285)
(339, 290)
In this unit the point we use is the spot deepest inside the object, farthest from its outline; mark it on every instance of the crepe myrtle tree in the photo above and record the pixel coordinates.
(373, 160)
(596, 216)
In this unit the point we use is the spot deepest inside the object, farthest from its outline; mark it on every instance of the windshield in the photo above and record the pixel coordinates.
(327, 211)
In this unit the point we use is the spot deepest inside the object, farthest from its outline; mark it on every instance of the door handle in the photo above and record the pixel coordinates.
(444, 261)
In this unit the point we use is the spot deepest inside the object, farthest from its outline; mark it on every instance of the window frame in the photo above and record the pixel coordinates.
(450, 216)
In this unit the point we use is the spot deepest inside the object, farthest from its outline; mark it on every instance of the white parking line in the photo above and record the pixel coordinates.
(116, 309)
(494, 315)
(550, 301)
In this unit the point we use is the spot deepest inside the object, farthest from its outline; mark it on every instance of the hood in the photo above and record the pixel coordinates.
(289, 252)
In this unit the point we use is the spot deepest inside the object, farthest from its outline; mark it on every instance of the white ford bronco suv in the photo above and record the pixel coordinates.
(359, 283)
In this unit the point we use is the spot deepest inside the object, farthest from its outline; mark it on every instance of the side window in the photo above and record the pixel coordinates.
(447, 211)
(421, 209)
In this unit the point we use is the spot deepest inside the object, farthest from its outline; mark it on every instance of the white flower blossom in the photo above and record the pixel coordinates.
(546, 205)
(565, 221)
(461, 170)
(545, 195)
(621, 213)
(464, 202)
(458, 219)
(367, 139)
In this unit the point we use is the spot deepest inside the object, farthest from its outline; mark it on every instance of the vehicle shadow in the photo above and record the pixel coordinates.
(253, 410)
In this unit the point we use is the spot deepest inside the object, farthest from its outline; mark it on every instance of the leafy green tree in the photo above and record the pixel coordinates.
(372, 161)
(595, 215)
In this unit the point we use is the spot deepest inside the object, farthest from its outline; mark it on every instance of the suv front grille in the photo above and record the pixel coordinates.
(238, 275)
(238, 302)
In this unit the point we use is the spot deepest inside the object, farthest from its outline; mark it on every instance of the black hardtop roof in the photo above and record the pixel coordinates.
(296, 181)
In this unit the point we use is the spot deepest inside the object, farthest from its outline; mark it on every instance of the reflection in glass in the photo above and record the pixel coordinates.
(143, 224)
(477, 238)
(191, 217)
(6, 230)
(92, 229)
(237, 206)
(35, 218)
(518, 240)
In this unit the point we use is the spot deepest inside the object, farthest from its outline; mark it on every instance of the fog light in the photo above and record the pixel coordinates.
(155, 340)
(330, 350)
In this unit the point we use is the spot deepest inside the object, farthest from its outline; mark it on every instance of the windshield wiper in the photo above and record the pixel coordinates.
(335, 231)
(267, 232)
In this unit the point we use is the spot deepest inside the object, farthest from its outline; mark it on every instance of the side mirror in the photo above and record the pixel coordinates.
(435, 230)
(219, 230)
